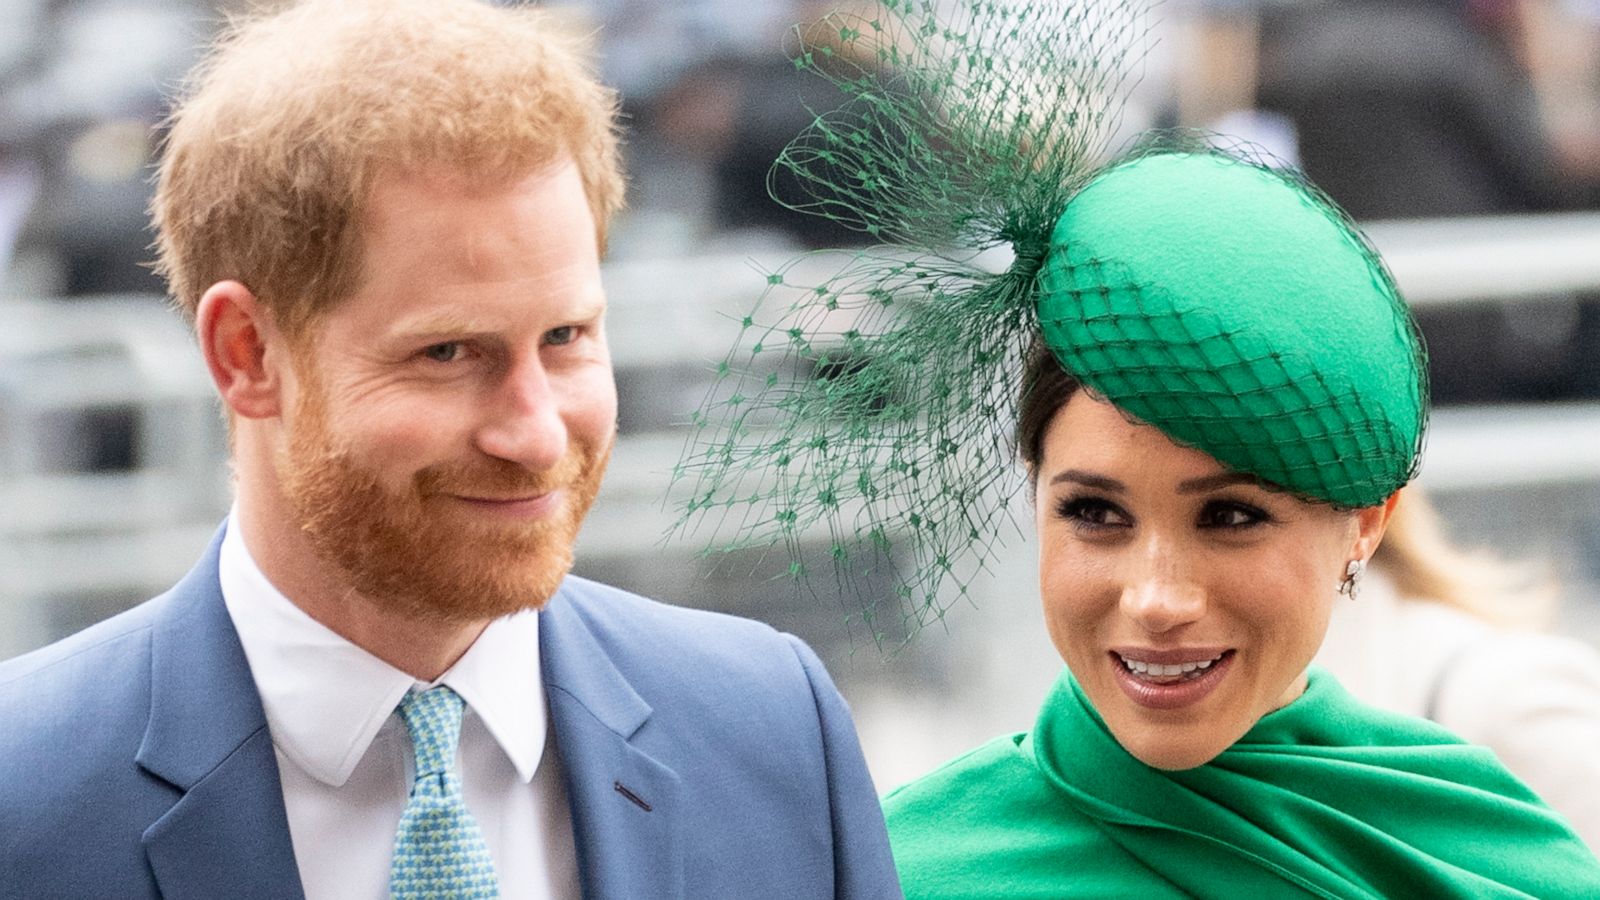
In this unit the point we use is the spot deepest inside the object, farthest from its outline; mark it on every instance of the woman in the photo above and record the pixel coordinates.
(1188, 750)
(1224, 394)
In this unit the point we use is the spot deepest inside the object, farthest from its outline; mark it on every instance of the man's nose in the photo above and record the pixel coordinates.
(523, 423)
(1159, 593)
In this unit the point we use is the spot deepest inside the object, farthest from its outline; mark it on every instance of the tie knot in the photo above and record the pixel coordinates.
(434, 719)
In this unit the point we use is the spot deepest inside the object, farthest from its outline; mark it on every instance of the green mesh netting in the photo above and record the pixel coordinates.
(866, 410)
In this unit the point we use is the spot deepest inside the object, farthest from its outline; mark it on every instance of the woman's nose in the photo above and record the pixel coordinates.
(1158, 593)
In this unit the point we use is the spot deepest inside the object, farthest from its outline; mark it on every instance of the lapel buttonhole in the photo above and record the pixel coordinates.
(633, 798)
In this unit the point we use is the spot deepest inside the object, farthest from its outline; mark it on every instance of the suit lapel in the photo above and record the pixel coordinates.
(228, 835)
(625, 805)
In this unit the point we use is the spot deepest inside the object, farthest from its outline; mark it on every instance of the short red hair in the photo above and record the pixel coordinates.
(285, 126)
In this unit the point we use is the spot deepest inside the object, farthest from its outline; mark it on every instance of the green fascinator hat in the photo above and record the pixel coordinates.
(865, 414)
(1234, 308)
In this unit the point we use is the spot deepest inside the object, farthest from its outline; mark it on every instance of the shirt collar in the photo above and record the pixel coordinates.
(325, 698)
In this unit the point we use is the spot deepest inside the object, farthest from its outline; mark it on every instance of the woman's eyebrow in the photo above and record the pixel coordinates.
(1212, 482)
(1089, 479)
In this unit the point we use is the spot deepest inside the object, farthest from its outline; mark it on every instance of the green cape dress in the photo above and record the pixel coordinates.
(1323, 798)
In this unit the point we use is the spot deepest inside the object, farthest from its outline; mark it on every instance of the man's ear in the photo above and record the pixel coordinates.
(1371, 522)
(235, 333)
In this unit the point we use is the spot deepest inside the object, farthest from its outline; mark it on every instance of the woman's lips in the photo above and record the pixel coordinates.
(1155, 688)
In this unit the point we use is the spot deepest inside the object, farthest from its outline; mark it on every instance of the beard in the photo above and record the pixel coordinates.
(420, 553)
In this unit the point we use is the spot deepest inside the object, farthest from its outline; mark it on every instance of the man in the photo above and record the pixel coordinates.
(385, 219)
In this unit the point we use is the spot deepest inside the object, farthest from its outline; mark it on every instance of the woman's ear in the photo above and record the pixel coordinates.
(235, 333)
(1371, 522)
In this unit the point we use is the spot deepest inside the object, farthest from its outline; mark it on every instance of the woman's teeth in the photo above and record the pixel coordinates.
(1158, 670)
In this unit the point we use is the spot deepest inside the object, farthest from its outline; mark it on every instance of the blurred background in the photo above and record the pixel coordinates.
(1464, 133)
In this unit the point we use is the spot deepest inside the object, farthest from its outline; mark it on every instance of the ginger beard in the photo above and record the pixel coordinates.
(416, 552)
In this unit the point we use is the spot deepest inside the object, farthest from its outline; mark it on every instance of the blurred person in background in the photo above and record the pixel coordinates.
(1454, 637)
(19, 171)
(385, 220)
(736, 116)
(1411, 108)
(89, 98)
(1558, 42)
(1407, 108)
(19, 184)
(713, 96)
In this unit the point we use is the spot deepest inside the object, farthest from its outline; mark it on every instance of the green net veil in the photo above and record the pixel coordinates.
(870, 411)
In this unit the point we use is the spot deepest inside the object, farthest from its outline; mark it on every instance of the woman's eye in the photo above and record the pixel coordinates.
(563, 335)
(450, 351)
(1231, 514)
(1091, 512)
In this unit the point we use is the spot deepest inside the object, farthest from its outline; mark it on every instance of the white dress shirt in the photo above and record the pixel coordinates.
(345, 758)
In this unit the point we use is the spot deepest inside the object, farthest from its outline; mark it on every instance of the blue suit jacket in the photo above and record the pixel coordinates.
(135, 759)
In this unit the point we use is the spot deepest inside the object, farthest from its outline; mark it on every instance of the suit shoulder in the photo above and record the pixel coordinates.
(698, 657)
(74, 713)
(93, 654)
(631, 621)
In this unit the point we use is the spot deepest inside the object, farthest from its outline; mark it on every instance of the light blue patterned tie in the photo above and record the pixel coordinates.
(439, 852)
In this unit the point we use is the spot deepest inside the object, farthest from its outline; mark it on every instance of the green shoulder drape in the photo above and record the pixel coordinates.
(1323, 798)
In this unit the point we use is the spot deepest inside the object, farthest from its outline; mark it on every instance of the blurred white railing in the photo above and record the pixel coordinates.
(1498, 259)
(79, 540)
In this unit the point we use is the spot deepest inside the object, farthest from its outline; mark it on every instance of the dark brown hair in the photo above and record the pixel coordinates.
(1046, 387)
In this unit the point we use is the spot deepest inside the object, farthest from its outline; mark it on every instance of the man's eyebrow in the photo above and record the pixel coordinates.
(438, 323)
(454, 322)
(1219, 480)
(1089, 479)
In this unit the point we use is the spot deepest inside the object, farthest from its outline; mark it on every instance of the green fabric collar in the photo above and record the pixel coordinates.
(1341, 799)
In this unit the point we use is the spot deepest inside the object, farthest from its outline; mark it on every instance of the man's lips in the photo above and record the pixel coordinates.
(527, 506)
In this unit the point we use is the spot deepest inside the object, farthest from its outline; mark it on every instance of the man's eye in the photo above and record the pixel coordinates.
(563, 335)
(449, 351)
